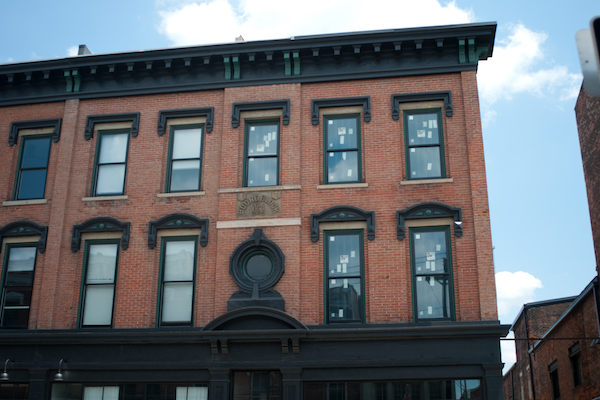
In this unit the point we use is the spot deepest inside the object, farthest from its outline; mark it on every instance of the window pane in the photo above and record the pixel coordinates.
(342, 166)
(102, 262)
(21, 259)
(15, 318)
(342, 134)
(92, 393)
(177, 302)
(344, 256)
(179, 261)
(111, 179)
(433, 296)
(17, 296)
(196, 393)
(425, 162)
(263, 140)
(344, 299)
(185, 175)
(98, 305)
(32, 184)
(111, 393)
(430, 255)
(187, 143)
(35, 153)
(258, 267)
(262, 171)
(423, 129)
(113, 148)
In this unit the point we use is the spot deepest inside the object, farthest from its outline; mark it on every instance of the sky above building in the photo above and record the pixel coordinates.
(538, 205)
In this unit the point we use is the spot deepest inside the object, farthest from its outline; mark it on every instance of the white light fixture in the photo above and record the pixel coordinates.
(59, 376)
(4, 375)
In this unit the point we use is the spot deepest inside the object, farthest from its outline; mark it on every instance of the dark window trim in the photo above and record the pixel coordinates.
(576, 365)
(88, 243)
(450, 273)
(92, 120)
(342, 214)
(178, 220)
(100, 224)
(326, 150)
(3, 279)
(97, 158)
(440, 144)
(17, 185)
(428, 210)
(15, 127)
(170, 160)
(25, 228)
(348, 232)
(254, 122)
(159, 306)
(164, 115)
(258, 106)
(364, 101)
(446, 96)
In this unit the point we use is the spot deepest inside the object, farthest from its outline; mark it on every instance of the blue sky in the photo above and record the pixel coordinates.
(538, 204)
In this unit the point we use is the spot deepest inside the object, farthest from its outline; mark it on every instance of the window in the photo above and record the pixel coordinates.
(14, 391)
(17, 285)
(575, 357)
(257, 385)
(432, 273)
(342, 162)
(177, 281)
(98, 284)
(129, 391)
(185, 158)
(424, 144)
(33, 168)
(343, 272)
(262, 153)
(111, 163)
(553, 369)
(101, 393)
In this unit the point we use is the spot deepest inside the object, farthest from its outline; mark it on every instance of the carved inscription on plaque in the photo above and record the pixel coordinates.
(258, 204)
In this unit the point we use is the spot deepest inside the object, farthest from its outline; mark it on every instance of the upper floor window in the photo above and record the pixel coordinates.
(111, 163)
(341, 135)
(17, 285)
(185, 158)
(33, 167)
(576, 367)
(424, 144)
(261, 153)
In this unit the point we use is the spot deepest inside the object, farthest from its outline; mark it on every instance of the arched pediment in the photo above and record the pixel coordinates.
(429, 210)
(342, 214)
(100, 224)
(254, 318)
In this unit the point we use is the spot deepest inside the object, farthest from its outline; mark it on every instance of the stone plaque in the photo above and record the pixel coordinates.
(259, 204)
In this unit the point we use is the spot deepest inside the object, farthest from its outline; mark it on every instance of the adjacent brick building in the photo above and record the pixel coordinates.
(288, 219)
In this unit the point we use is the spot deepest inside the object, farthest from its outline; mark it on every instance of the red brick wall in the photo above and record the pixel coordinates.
(387, 262)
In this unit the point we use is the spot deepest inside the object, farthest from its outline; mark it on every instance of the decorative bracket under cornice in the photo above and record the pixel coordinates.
(365, 102)
(260, 105)
(446, 96)
(178, 221)
(428, 210)
(163, 115)
(25, 228)
(97, 119)
(100, 224)
(15, 127)
(342, 214)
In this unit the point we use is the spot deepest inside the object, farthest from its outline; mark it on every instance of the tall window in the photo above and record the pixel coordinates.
(344, 272)
(33, 168)
(553, 370)
(129, 391)
(576, 368)
(262, 154)
(342, 162)
(98, 286)
(185, 158)
(424, 144)
(17, 285)
(257, 385)
(111, 163)
(177, 283)
(432, 273)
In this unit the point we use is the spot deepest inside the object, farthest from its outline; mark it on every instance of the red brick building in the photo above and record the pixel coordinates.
(289, 219)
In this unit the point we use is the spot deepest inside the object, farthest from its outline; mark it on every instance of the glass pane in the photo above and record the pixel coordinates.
(185, 175)
(344, 299)
(342, 166)
(187, 143)
(258, 267)
(35, 153)
(197, 393)
(342, 134)
(21, 259)
(113, 148)
(263, 140)
(262, 171)
(423, 129)
(177, 302)
(468, 389)
(111, 179)
(17, 296)
(111, 393)
(15, 318)
(32, 184)
(102, 263)
(98, 305)
(430, 252)
(92, 393)
(179, 261)
(425, 162)
(343, 255)
(433, 296)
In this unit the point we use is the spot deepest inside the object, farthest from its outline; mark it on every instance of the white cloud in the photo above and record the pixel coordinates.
(514, 289)
(217, 21)
(508, 351)
(72, 51)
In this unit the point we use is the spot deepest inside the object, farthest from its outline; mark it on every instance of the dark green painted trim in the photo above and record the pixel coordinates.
(17, 184)
(170, 158)
(407, 146)
(326, 150)
(15, 127)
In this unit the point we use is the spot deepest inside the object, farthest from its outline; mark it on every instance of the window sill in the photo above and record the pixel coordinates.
(181, 194)
(23, 202)
(260, 189)
(105, 198)
(343, 186)
(425, 181)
